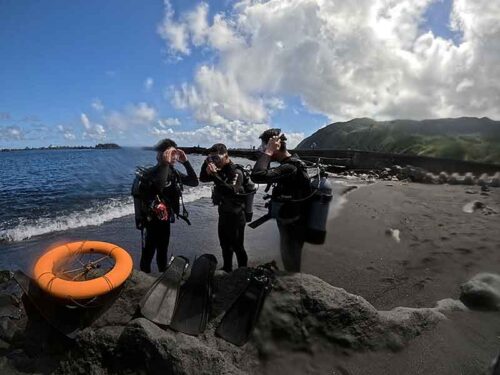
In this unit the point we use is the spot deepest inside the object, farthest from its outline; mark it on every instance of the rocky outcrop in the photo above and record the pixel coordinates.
(301, 312)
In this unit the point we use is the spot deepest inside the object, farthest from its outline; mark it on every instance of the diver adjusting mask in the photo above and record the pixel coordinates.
(267, 135)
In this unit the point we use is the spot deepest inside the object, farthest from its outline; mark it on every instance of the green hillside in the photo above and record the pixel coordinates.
(475, 139)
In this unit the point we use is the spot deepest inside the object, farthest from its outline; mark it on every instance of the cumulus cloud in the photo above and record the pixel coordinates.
(343, 59)
(217, 98)
(67, 133)
(233, 133)
(175, 33)
(11, 133)
(133, 115)
(92, 130)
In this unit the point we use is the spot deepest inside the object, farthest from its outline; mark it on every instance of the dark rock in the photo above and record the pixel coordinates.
(430, 178)
(495, 181)
(301, 312)
(482, 292)
(455, 179)
(304, 310)
(443, 177)
(469, 179)
(413, 174)
(484, 180)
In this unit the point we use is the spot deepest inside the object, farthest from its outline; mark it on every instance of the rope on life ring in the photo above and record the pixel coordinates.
(45, 277)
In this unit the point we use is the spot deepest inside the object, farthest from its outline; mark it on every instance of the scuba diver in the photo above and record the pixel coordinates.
(229, 194)
(157, 195)
(299, 203)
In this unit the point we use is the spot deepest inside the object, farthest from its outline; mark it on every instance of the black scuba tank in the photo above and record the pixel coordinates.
(319, 206)
(140, 189)
(249, 191)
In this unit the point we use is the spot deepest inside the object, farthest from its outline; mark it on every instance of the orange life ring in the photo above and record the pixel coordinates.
(67, 289)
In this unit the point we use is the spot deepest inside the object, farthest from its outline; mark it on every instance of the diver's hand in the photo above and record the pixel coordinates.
(181, 155)
(169, 155)
(273, 145)
(211, 169)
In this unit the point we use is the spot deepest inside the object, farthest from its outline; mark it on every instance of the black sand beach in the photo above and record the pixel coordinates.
(441, 247)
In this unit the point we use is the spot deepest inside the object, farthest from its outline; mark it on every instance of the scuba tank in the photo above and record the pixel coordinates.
(319, 206)
(316, 205)
(249, 192)
(139, 191)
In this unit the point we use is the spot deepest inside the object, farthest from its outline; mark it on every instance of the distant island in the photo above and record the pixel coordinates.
(465, 138)
(99, 146)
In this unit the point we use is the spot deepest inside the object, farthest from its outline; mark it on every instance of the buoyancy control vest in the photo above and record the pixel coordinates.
(305, 197)
(241, 200)
(248, 193)
(158, 181)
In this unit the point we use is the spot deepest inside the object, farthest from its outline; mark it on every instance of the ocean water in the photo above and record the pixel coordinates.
(51, 197)
(49, 191)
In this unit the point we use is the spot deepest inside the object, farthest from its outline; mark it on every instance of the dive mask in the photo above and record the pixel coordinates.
(214, 159)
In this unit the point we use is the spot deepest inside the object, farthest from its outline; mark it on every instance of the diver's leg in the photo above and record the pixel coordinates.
(163, 241)
(239, 240)
(148, 251)
(225, 235)
(291, 243)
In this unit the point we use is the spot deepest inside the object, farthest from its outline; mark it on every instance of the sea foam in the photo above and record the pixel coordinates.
(96, 215)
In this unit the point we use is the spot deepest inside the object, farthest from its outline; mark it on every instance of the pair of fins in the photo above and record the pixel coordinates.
(183, 308)
(187, 308)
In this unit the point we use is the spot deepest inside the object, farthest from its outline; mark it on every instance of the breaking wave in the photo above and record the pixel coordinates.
(99, 214)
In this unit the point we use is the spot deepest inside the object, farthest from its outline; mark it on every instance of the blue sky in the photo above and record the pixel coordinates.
(62, 60)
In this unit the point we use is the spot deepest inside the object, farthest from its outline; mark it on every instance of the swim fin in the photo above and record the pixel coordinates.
(194, 303)
(240, 319)
(159, 302)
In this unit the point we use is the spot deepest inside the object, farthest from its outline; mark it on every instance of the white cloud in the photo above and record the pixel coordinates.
(85, 121)
(68, 134)
(217, 98)
(133, 115)
(97, 105)
(148, 84)
(343, 59)
(175, 33)
(11, 133)
(166, 122)
(92, 130)
(233, 134)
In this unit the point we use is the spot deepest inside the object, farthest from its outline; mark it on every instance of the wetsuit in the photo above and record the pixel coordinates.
(165, 184)
(291, 183)
(229, 182)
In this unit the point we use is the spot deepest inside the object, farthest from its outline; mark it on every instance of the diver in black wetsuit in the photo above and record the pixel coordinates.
(164, 196)
(291, 185)
(228, 182)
